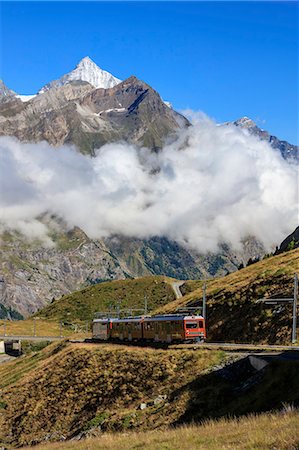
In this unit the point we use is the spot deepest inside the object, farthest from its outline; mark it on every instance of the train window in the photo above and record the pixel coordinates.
(200, 324)
(191, 325)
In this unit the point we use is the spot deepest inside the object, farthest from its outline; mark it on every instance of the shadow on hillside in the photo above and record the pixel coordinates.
(238, 389)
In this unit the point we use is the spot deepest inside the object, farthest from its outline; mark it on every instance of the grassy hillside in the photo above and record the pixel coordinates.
(82, 305)
(41, 328)
(233, 314)
(247, 433)
(67, 390)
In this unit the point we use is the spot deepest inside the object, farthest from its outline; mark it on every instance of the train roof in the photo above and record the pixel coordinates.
(173, 317)
(125, 319)
(149, 318)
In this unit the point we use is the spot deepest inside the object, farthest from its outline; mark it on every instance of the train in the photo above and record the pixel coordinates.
(168, 329)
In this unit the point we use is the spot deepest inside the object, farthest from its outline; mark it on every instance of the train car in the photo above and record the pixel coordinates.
(167, 328)
(101, 329)
(129, 329)
(174, 328)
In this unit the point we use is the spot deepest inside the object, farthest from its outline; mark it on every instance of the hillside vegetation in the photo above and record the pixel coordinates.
(81, 390)
(66, 389)
(247, 433)
(232, 311)
(82, 305)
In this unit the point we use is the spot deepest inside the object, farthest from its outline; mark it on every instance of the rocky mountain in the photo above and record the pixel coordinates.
(87, 117)
(288, 151)
(88, 71)
(31, 275)
(89, 107)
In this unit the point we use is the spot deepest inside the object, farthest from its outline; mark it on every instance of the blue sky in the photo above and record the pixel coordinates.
(228, 59)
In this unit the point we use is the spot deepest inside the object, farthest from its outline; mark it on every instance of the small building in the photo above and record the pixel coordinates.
(13, 347)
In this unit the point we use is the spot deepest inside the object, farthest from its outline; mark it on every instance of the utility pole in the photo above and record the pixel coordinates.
(145, 305)
(294, 325)
(204, 301)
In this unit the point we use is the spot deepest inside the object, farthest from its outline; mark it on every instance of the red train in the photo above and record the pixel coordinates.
(167, 328)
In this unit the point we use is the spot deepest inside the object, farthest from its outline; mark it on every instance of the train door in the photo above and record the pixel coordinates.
(121, 331)
(100, 330)
(168, 332)
(156, 331)
(130, 331)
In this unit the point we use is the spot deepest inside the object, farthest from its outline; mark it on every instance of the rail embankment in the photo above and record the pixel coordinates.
(68, 391)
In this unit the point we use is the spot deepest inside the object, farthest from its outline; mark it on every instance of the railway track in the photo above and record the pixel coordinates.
(211, 345)
(227, 346)
(31, 338)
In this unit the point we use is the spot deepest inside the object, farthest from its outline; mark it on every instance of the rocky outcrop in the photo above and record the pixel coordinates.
(288, 151)
(78, 113)
(33, 274)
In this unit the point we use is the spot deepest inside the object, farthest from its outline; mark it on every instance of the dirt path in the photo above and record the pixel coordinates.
(176, 287)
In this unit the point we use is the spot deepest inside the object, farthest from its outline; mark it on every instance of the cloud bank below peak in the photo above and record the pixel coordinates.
(214, 184)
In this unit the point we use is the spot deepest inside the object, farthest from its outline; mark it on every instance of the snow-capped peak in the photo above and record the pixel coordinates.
(86, 70)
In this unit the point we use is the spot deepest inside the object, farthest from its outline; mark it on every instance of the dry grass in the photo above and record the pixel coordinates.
(63, 391)
(266, 431)
(233, 314)
(26, 328)
(43, 328)
(268, 269)
(14, 371)
(67, 389)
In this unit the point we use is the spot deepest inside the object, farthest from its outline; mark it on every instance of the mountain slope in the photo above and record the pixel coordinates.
(86, 70)
(70, 387)
(288, 151)
(232, 311)
(33, 274)
(123, 294)
(68, 391)
(79, 114)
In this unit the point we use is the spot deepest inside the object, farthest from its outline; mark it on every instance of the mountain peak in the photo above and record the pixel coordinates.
(6, 94)
(86, 58)
(245, 122)
(86, 70)
(87, 61)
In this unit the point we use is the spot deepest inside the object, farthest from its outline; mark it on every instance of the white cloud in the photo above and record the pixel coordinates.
(215, 184)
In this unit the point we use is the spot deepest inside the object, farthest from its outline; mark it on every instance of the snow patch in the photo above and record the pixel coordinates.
(26, 98)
